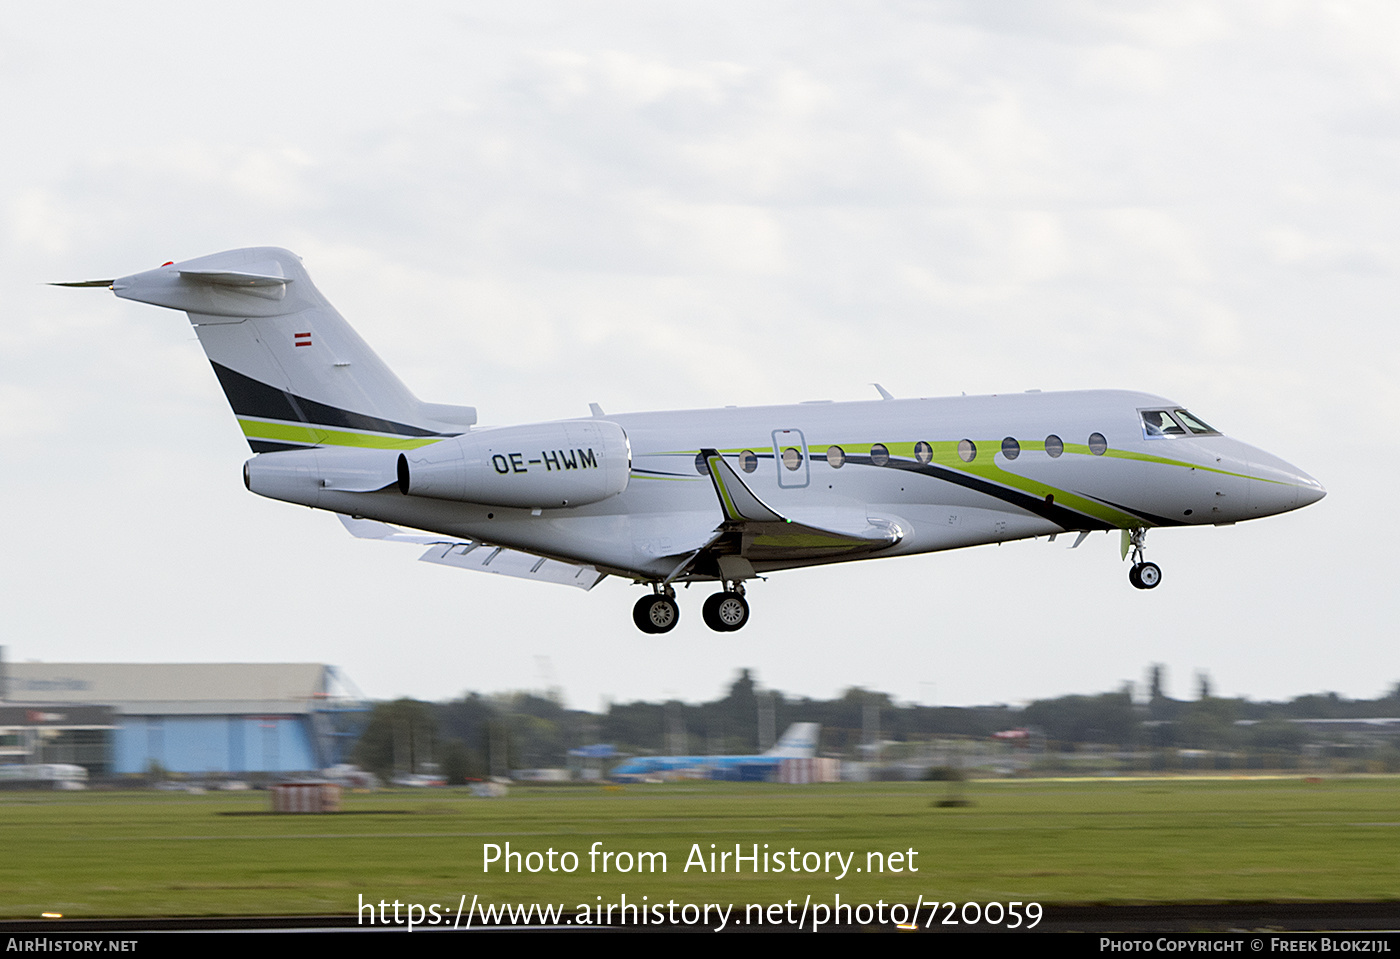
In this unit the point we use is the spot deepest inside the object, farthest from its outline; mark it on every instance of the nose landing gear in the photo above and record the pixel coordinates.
(1145, 575)
(1142, 574)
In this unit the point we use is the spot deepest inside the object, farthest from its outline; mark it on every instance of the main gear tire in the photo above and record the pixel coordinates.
(656, 614)
(726, 612)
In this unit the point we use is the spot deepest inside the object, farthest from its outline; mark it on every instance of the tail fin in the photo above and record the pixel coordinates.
(799, 742)
(293, 370)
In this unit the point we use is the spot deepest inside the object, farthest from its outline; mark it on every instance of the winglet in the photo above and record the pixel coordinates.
(735, 498)
(764, 534)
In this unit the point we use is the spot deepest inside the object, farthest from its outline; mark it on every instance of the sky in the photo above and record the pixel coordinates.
(534, 206)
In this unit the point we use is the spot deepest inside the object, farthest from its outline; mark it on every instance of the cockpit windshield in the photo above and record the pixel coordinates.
(1193, 424)
(1157, 424)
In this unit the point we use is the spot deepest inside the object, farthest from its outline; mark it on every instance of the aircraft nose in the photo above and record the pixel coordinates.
(1277, 486)
(1309, 490)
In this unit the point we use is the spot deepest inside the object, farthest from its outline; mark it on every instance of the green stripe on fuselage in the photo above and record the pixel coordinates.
(945, 455)
(1149, 458)
(283, 432)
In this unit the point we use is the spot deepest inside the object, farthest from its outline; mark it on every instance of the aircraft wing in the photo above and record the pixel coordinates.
(472, 554)
(762, 534)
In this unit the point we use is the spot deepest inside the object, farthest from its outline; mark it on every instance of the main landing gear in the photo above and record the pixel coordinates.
(723, 612)
(657, 613)
(727, 611)
(1142, 574)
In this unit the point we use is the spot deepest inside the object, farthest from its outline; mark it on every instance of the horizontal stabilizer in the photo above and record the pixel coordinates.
(468, 554)
(226, 287)
(269, 276)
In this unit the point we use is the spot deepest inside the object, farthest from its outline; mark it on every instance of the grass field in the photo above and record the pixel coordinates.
(1168, 840)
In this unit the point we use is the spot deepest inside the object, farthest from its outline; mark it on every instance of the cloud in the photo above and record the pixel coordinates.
(527, 209)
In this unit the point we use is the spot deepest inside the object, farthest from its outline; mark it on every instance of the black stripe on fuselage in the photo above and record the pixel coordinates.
(1152, 518)
(1059, 515)
(641, 472)
(267, 446)
(250, 397)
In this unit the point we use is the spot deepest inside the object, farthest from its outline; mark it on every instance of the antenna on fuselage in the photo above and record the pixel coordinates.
(884, 393)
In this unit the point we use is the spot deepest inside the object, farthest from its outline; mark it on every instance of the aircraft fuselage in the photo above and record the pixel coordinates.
(936, 497)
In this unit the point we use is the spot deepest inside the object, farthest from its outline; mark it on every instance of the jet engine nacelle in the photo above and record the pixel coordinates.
(300, 476)
(544, 466)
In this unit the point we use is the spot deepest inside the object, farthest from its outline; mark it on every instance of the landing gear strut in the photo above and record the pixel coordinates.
(1143, 575)
(727, 611)
(657, 613)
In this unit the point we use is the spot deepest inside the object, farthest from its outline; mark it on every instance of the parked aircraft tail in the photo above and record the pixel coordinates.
(799, 742)
(293, 370)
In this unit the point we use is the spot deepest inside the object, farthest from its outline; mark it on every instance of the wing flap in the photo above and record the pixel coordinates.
(372, 529)
(512, 562)
(469, 554)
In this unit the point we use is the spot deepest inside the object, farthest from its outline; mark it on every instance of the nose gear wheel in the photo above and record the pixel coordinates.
(1143, 575)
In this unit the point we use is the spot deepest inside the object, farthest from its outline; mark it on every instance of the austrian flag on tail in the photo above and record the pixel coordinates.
(302, 339)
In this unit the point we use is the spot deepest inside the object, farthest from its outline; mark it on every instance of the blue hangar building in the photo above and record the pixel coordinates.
(221, 719)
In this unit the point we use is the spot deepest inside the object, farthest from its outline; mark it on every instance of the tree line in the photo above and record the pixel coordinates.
(478, 736)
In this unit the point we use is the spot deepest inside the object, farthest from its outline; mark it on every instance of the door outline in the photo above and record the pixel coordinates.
(791, 479)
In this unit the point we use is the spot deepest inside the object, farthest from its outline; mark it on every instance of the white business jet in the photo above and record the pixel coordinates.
(719, 496)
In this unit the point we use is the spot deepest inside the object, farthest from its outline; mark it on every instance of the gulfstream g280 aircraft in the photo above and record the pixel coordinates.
(719, 496)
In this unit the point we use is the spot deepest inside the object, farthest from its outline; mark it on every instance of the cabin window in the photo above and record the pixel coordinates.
(923, 453)
(748, 461)
(792, 458)
(835, 457)
(1097, 444)
(1193, 424)
(1010, 448)
(701, 466)
(1054, 445)
(880, 454)
(1159, 423)
(967, 450)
